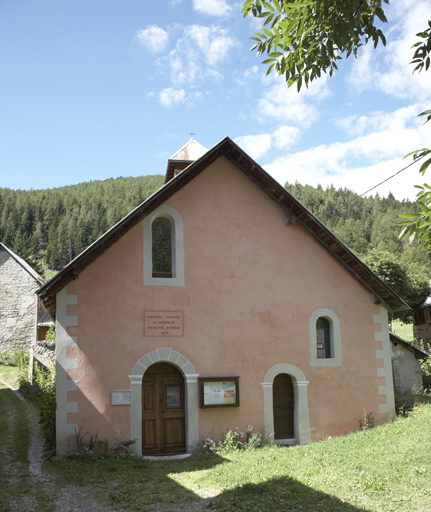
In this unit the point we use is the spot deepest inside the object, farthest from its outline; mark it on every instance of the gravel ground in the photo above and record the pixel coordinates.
(61, 497)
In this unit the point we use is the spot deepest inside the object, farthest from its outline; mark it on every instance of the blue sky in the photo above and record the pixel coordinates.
(91, 90)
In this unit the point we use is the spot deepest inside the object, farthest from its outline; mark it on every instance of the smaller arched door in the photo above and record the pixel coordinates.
(163, 410)
(283, 406)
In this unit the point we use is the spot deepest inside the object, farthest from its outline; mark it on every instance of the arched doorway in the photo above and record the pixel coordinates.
(163, 410)
(301, 421)
(283, 406)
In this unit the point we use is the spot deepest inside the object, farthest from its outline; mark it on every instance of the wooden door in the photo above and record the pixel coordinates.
(283, 405)
(163, 411)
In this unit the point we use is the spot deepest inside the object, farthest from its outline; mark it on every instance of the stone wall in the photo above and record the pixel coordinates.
(406, 370)
(17, 304)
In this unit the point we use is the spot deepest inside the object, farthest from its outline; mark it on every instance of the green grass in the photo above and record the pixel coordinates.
(9, 374)
(403, 330)
(15, 420)
(14, 443)
(383, 469)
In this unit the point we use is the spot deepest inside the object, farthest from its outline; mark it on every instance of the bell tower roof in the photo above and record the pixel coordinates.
(185, 156)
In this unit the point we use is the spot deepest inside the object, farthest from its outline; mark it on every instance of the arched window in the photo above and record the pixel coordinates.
(325, 338)
(163, 248)
(161, 238)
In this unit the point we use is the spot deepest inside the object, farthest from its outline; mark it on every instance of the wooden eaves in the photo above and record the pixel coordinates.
(381, 292)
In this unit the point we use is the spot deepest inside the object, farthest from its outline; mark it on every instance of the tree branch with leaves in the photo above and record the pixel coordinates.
(303, 38)
(418, 225)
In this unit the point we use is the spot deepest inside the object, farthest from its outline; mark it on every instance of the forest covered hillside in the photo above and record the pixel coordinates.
(362, 223)
(49, 228)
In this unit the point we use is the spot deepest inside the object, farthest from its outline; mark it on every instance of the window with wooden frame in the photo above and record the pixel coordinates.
(163, 248)
(161, 238)
(325, 338)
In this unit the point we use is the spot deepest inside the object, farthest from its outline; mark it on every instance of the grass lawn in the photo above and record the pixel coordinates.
(403, 330)
(14, 442)
(383, 469)
(9, 374)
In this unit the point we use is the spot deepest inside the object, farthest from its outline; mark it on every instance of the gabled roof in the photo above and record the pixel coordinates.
(418, 352)
(295, 213)
(24, 264)
(186, 155)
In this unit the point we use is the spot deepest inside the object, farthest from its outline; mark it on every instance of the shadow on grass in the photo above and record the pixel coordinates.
(282, 494)
(135, 484)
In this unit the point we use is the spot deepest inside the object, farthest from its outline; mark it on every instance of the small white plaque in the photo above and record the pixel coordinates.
(120, 398)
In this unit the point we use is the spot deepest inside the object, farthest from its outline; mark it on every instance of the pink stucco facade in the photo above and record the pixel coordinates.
(251, 284)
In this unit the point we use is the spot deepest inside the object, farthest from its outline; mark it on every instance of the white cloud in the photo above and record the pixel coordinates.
(247, 77)
(258, 145)
(388, 69)
(255, 145)
(153, 38)
(170, 97)
(286, 105)
(285, 137)
(214, 43)
(380, 121)
(217, 8)
(197, 55)
(361, 163)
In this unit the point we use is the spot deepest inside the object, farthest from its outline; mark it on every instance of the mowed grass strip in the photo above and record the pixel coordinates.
(383, 469)
(14, 443)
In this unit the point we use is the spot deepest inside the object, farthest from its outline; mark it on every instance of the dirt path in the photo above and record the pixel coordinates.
(44, 491)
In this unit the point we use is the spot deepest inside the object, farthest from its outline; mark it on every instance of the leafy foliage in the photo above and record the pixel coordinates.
(50, 334)
(234, 440)
(418, 225)
(302, 38)
(410, 282)
(44, 385)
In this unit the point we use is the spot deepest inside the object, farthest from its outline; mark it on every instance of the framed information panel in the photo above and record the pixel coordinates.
(219, 391)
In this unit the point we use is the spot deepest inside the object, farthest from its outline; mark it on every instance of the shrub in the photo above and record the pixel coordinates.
(44, 386)
(50, 334)
(98, 449)
(234, 440)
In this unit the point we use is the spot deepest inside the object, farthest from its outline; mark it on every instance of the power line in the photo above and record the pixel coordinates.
(378, 185)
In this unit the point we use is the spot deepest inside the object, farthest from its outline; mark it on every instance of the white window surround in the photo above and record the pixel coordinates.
(301, 421)
(335, 336)
(177, 245)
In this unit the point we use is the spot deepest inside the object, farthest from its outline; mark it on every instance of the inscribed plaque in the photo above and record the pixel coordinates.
(120, 398)
(163, 323)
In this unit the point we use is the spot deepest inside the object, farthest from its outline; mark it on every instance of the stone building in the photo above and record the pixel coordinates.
(18, 301)
(406, 367)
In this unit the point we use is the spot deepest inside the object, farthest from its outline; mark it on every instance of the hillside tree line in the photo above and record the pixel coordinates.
(49, 228)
